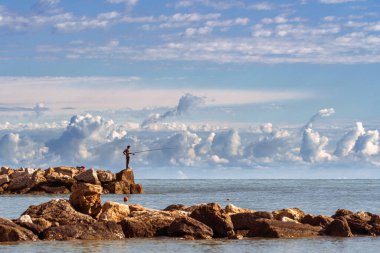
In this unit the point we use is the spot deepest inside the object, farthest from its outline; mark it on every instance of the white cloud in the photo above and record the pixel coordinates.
(339, 1)
(262, 6)
(368, 144)
(347, 143)
(226, 145)
(326, 112)
(313, 146)
(127, 2)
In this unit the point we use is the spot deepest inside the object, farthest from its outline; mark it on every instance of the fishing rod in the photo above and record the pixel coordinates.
(148, 150)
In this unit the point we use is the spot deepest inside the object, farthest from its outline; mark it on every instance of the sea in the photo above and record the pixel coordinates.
(314, 196)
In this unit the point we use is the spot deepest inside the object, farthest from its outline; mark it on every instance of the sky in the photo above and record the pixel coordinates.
(243, 84)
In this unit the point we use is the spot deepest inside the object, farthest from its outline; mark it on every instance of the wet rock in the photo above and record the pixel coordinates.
(230, 209)
(55, 190)
(187, 226)
(27, 222)
(319, 220)
(280, 229)
(85, 198)
(4, 179)
(339, 227)
(126, 176)
(113, 211)
(175, 207)
(11, 232)
(58, 212)
(148, 223)
(213, 216)
(136, 189)
(106, 176)
(292, 213)
(359, 223)
(89, 176)
(96, 231)
(242, 221)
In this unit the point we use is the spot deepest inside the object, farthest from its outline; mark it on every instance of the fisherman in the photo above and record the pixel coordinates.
(127, 152)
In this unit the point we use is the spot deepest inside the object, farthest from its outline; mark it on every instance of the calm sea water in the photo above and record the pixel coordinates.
(312, 196)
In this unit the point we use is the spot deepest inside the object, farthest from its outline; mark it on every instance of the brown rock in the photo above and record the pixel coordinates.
(4, 179)
(89, 176)
(319, 220)
(339, 227)
(113, 211)
(96, 231)
(280, 229)
(85, 198)
(213, 216)
(67, 171)
(341, 212)
(106, 176)
(6, 171)
(359, 223)
(136, 189)
(175, 207)
(292, 213)
(137, 208)
(243, 221)
(126, 175)
(56, 178)
(55, 190)
(11, 232)
(149, 223)
(118, 187)
(58, 212)
(187, 226)
(230, 209)
(37, 179)
(26, 222)
(19, 183)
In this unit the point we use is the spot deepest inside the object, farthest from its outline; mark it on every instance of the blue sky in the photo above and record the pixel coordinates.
(158, 66)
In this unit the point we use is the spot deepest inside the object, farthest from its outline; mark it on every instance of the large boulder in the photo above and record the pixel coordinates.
(106, 176)
(59, 212)
(149, 223)
(85, 198)
(19, 183)
(175, 207)
(292, 213)
(341, 212)
(318, 220)
(339, 227)
(11, 232)
(126, 175)
(118, 187)
(359, 223)
(88, 176)
(136, 189)
(67, 171)
(37, 180)
(57, 177)
(4, 179)
(243, 221)
(96, 231)
(214, 216)
(280, 229)
(189, 227)
(114, 211)
(36, 225)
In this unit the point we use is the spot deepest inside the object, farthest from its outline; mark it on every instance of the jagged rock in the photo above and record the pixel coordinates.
(58, 212)
(27, 222)
(11, 232)
(56, 177)
(67, 171)
(292, 213)
(96, 231)
(149, 223)
(213, 216)
(106, 176)
(37, 179)
(136, 189)
(341, 212)
(242, 221)
(280, 229)
(286, 219)
(230, 209)
(18, 173)
(6, 171)
(19, 183)
(85, 198)
(55, 190)
(118, 187)
(89, 176)
(4, 179)
(175, 207)
(319, 220)
(339, 227)
(359, 223)
(187, 226)
(137, 208)
(113, 211)
(126, 176)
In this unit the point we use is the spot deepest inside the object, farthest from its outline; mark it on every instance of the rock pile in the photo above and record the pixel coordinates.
(84, 217)
(61, 180)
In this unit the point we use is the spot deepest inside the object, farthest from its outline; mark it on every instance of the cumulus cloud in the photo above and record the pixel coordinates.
(347, 143)
(186, 103)
(339, 1)
(321, 113)
(368, 143)
(313, 147)
(226, 145)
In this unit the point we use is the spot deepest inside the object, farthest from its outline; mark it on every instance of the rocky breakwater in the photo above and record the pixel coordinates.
(84, 217)
(60, 180)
